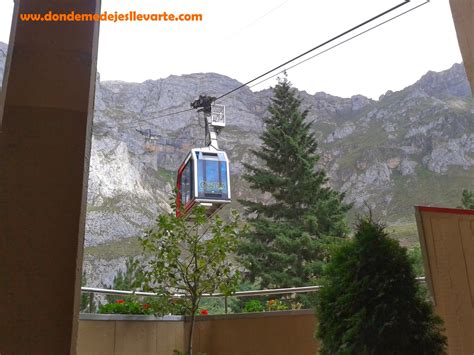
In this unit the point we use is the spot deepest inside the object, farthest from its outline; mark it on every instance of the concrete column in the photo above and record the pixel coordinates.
(463, 16)
(447, 243)
(45, 132)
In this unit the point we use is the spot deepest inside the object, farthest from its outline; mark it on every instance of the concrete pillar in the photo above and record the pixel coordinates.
(447, 243)
(45, 132)
(463, 16)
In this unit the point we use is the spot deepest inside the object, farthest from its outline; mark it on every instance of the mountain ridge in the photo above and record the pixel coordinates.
(409, 147)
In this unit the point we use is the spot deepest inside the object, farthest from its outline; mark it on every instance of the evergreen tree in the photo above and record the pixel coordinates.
(285, 245)
(370, 303)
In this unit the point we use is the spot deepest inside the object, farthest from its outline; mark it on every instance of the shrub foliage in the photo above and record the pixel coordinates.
(467, 200)
(192, 257)
(370, 302)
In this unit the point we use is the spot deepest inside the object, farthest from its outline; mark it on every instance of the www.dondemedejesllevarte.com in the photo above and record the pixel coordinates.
(131, 16)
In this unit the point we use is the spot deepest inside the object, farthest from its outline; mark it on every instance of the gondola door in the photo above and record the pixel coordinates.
(185, 198)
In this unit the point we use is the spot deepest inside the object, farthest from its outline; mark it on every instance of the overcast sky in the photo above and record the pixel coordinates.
(242, 39)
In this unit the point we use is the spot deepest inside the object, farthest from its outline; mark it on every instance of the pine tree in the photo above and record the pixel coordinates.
(370, 303)
(284, 246)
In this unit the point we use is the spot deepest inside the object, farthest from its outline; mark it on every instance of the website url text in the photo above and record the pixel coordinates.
(131, 16)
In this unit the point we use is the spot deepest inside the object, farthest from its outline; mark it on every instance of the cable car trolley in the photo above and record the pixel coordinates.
(203, 177)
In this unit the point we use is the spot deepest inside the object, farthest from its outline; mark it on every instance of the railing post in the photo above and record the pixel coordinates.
(225, 304)
(91, 302)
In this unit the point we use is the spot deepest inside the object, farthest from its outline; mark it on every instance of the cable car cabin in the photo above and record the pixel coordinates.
(203, 179)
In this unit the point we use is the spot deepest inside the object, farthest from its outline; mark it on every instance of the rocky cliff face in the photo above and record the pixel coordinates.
(3, 56)
(409, 147)
(415, 146)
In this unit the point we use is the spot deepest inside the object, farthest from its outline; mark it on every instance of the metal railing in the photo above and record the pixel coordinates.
(276, 291)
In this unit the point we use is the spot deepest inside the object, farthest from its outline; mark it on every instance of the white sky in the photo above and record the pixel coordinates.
(244, 38)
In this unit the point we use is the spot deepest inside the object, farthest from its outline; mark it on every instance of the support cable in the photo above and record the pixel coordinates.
(315, 48)
(307, 52)
(337, 45)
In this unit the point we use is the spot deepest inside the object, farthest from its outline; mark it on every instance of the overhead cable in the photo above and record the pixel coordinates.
(309, 51)
(165, 115)
(337, 45)
(315, 48)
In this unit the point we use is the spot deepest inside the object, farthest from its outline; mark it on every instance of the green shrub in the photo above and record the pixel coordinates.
(276, 305)
(126, 307)
(213, 305)
(416, 260)
(253, 306)
(370, 303)
(131, 278)
(467, 200)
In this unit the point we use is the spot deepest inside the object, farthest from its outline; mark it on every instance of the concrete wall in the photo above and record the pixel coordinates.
(128, 335)
(45, 131)
(447, 241)
(272, 333)
(288, 332)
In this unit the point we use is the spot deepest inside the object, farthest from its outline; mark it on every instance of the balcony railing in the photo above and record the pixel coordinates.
(276, 291)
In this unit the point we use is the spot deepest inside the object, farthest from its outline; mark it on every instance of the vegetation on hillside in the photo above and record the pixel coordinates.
(467, 200)
(130, 279)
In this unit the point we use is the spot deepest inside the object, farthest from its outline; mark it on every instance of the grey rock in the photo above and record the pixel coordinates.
(340, 133)
(372, 150)
(3, 56)
(453, 152)
(407, 167)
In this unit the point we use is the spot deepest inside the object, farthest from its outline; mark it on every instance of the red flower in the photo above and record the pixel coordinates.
(204, 312)
(146, 306)
(120, 301)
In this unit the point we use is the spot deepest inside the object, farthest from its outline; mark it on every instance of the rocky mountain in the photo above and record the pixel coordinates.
(3, 55)
(414, 146)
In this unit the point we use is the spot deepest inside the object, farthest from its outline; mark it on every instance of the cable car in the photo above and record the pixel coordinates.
(203, 177)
